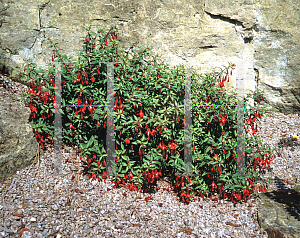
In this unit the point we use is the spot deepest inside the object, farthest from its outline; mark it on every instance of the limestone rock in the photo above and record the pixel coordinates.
(18, 146)
(278, 214)
(205, 34)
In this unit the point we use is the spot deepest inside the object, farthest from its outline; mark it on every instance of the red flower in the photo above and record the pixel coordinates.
(148, 132)
(116, 104)
(238, 196)
(213, 185)
(71, 127)
(91, 110)
(93, 79)
(83, 109)
(127, 141)
(246, 192)
(255, 130)
(98, 123)
(33, 109)
(153, 132)
(221, 84)
(141, 114)
(141, 152)
(94, 177)
(147, 198)
(223, 120)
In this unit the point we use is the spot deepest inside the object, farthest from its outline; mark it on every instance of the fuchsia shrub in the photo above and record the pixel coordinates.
(149, 121)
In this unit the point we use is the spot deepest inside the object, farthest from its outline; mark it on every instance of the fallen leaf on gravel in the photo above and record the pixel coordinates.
(69, 202)
(150, 233)
(139, 225)
(21, 232)
(2, 180)
(231, 224)
(138, 197)
(269, 136)
(221, 212)
(290, 183)
(186, 230)
(17, 215)
(73, 157)
(235, 216)
(80, 190)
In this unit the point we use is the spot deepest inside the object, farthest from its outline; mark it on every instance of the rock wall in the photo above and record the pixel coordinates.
(18, 146)
(205, 34)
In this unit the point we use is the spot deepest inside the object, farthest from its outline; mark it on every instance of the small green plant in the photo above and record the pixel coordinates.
(149, 120)
(291, 142)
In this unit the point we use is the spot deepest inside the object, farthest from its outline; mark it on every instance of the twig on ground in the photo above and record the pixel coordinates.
(38, 165)
(5, 194)
(37, 155)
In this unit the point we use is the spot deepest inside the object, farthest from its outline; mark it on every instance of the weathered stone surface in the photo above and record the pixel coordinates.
(277, 60)
(278, 214)
(206, 34)
(18, 146)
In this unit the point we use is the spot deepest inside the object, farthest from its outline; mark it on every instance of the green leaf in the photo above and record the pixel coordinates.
(120, 168)
(228, 186)
(122, 147)
(124, 171)
(90, 141)
(207, 149)
(157, 162)
(94, 164)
